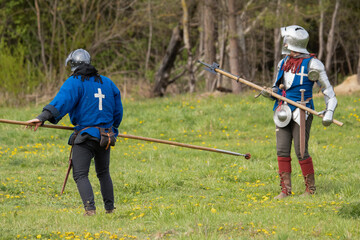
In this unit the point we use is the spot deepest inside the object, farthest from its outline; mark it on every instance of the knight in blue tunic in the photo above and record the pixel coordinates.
(94, 105)
(298, 70)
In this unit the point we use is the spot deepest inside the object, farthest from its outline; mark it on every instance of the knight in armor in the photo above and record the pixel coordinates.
(94, 105)
(297, 72)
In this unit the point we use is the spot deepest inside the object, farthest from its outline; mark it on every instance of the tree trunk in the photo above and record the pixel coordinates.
(244, 62)
(331, 38)
(234, 48)
(187, 42)
(277, 40)
(222, 40)
(53, 35)
(321, 31)
(358, 69)
(263, 53)
(150, 37)
(163, 74)
(245, 71)
(201, 31)
(347, 56)
(209, 44)
(41, 39)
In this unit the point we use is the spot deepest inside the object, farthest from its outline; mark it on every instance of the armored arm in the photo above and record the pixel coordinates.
(317, 73)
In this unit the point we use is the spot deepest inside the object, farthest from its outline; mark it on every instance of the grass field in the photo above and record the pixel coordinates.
(167, 192)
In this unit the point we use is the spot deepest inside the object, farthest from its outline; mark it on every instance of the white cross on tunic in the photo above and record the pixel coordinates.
(302, 75)
(100, 96)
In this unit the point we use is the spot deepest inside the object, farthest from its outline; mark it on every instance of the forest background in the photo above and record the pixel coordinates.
(150, 48)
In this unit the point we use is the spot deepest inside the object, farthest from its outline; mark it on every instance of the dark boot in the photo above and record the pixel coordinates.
(109, 211)
(310, 185)
(89, 212)
(285, 183)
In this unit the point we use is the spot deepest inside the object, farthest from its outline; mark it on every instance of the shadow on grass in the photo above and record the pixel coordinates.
(351, 210)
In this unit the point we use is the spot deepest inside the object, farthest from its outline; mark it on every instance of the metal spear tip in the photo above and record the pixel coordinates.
(247, 156)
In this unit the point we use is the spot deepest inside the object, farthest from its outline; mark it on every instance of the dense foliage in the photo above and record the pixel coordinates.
(128, 39)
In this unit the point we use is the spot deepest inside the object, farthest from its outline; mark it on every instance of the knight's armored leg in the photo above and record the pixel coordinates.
(285, 177)
(307, 169)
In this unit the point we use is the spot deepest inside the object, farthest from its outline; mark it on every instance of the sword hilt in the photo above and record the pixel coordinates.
(302, 94)
(303, 101)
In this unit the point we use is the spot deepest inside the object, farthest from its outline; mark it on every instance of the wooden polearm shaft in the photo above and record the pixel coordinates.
(27, 124)
(215, 69)
(247, 155)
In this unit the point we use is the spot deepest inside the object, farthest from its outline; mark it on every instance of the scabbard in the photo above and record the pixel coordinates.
(66, 177)
(67, 172)
(302, 132)
(302, 123)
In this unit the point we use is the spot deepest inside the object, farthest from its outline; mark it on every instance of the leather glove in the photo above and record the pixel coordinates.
(267, 92)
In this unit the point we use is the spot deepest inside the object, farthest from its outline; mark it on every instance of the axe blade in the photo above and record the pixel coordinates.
(210, 68)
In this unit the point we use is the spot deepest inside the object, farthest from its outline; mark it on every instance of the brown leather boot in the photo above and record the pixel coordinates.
(110, 211)
(285, 183)
(89, 212)
(310, 185)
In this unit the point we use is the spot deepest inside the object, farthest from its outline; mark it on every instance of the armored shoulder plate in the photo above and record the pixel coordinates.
(316, 67)
(318, 73)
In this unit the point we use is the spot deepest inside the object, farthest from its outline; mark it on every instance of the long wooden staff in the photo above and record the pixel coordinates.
(215, 69)
(247, 156)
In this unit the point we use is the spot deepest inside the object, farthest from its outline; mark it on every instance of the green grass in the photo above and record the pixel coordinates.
(167, 192)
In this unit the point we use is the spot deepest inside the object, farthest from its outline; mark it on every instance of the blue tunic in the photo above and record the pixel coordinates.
(301, 81)
(88, 103)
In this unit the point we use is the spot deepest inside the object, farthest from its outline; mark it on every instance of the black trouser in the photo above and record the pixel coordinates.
(285, 135)
(82, 155)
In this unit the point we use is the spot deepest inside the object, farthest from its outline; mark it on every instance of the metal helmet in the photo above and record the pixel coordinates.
(78, 57)
(295, 38)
